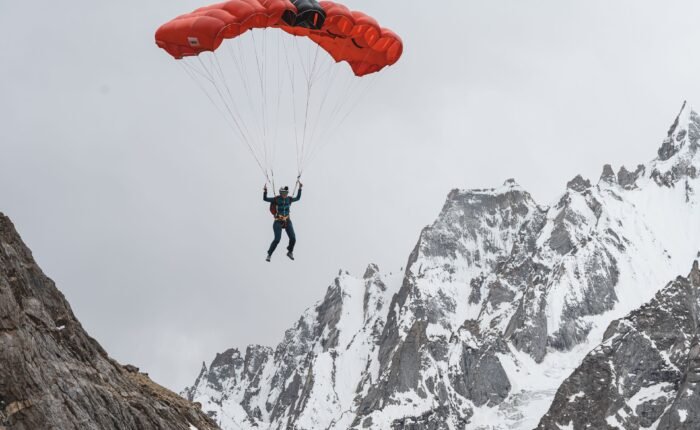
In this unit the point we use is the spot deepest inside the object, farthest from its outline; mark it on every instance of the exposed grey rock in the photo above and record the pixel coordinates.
(608, 175)
(682, 145)
(405, 371)
(435, 419)
(188, 392)
(481, 377)
(476, 284)
(527, 328)
(465, 217)
(54, 376)
(578, 184)
(255, 358)
(643, 373)
(226, 366)
(599, 297)
(669, 147)
(628, 179)
(329, 315)
(373, 287)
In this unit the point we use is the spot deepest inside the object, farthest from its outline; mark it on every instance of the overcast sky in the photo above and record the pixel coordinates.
(138, 201)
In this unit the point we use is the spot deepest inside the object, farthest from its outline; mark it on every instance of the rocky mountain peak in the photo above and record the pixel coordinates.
(608, 175)
(226, 365)
(472, 232)
(468, 196)
(694, 275)
(375, 289)
(578, 184)
(685, 126)
(678, 154)
(627, 179)
(371, 271)
(230, 357)
(511, 183)
(187, 392)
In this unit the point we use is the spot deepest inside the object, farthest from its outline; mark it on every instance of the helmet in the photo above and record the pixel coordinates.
(284, 190)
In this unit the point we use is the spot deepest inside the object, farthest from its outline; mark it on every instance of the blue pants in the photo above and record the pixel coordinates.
(277, 227)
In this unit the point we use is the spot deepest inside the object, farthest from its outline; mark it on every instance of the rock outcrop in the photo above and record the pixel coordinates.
(645, 373)
(54, 376)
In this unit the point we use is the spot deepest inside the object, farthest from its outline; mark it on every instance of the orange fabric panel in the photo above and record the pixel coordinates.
(205, 28)
(346, 35)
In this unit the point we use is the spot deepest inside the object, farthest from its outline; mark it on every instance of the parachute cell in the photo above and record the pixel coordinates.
(349, 36)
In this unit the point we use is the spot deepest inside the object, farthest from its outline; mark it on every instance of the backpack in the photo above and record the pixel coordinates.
(273, 206)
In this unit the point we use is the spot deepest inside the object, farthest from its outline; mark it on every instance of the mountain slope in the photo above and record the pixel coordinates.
(310, 379)
(54, 376)
(645, 374)
(500, 301)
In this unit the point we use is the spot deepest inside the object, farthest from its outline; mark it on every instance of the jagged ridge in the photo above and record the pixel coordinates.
(500, 301)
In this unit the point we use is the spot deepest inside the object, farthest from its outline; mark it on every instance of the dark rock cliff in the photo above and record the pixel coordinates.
(53, 375)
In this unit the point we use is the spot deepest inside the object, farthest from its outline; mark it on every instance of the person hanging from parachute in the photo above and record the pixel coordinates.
(280, 207)
(320, 96)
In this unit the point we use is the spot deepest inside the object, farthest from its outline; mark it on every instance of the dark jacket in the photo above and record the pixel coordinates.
(283, 203)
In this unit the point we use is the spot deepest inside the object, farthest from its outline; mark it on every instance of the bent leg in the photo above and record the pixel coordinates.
(277, 228)
(292, 236)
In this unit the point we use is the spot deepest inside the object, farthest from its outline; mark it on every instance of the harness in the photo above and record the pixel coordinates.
(282, 219)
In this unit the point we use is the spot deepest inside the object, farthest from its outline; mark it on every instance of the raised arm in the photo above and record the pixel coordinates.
(298, 197)
(265, 197)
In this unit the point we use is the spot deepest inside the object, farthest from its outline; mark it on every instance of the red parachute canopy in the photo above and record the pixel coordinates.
(346, 35)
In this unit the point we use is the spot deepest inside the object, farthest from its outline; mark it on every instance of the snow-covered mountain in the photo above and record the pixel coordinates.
(500, 302)
(645, 374)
